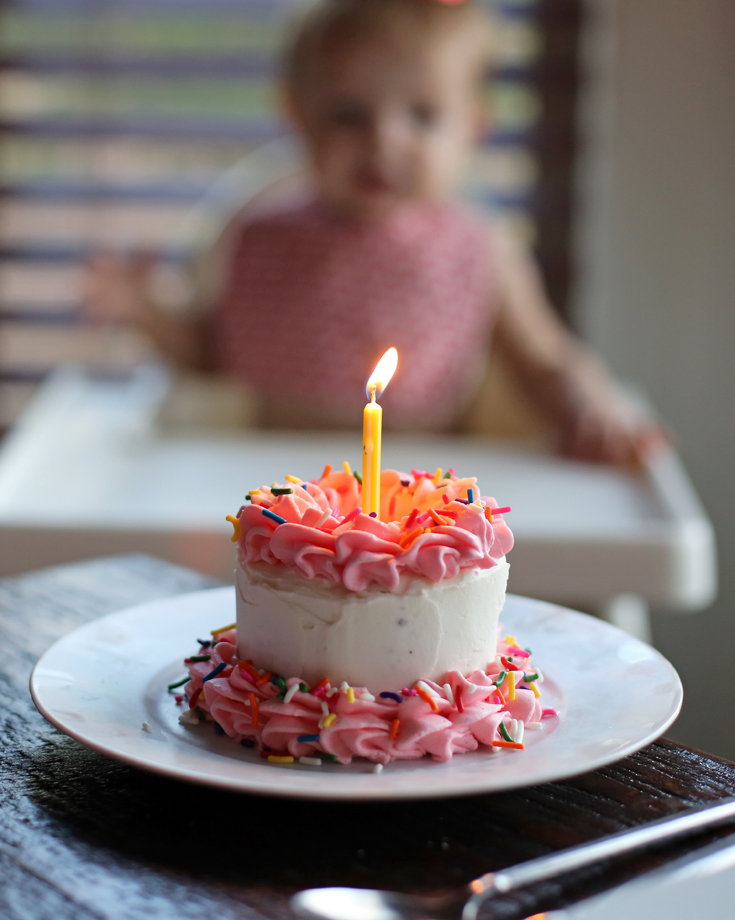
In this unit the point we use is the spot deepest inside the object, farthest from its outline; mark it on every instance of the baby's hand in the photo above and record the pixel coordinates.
(599, 425)
(114, 287)
(598, 438)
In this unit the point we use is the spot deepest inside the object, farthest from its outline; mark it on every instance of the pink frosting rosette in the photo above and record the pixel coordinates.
(461, 714)
(427, 527)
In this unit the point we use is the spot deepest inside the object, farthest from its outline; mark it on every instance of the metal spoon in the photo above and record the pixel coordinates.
(370, 904)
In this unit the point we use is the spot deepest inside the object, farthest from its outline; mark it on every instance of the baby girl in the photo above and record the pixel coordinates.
(386, 97)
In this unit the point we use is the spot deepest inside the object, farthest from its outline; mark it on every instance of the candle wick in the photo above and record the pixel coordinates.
(372, 393)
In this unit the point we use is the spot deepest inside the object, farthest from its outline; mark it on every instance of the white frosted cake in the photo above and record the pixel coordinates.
(367, 635)
(373, 638)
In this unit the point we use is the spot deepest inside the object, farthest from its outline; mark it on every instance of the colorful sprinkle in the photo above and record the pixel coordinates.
(373, 514)
(449, 693)
(458, 699)
(274, 517)
(378, 768)
(330, 757)
(395, 727)
(501, 678)
(218, 670)
(330, 719)
(255, 708)
(350, 695)
(511, 686)
(504, 732)
(247, 742)
(327, 471)
(291, 693)
(200, 713)
(295, 480)
(236, 528)
(249, 670)
(518, 652)
(536, 691)
(508, 744)
(347, 468)
(310, 761)
(287, 490)
(322, 683)
(222, 629)
(263, 679)
(428, 699)
(470, 495)
(196, 658)
(305, 739)
(147, 727)
(205, 643)
(179, 699)
(179, 683)
(389, 695)
(356, 512)
(548, 713)
(439, 474)
(508, 664)
(357, 476)
(274, 758)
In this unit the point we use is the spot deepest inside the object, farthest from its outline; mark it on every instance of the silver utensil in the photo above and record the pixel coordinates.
(371, 904)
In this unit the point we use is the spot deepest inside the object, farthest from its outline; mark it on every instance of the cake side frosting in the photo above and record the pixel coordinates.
(375, 638)
(431, 527)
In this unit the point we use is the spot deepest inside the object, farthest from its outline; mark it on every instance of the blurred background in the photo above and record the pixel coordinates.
(613, 153)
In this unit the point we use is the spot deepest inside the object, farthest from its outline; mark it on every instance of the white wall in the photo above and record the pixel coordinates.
(657, 291)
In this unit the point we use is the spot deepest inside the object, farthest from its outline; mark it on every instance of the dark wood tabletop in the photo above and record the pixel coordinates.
(82, 836)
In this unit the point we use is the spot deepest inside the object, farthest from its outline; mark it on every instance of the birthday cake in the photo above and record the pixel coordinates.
(367, 635)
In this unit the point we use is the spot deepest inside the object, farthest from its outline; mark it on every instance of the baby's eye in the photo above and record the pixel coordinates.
(424, 116)
(346, 114)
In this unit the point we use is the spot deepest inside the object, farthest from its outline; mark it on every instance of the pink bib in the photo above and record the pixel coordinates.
(312, 301)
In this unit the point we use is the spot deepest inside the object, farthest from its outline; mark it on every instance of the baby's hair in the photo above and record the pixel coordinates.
(333, 23)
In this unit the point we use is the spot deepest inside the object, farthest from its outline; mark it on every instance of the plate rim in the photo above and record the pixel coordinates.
(278, 788)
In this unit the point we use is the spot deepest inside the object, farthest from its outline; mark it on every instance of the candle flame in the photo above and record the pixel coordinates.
(380, 377)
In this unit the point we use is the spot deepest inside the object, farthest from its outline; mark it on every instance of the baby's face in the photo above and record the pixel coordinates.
(385, 126)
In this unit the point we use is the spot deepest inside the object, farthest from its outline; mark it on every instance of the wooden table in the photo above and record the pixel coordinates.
(84, 837)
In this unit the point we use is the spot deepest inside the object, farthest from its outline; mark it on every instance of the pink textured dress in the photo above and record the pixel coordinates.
(312, 301)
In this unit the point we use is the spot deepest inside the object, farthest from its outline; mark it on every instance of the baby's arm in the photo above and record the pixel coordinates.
(119, 289)
(588, 413)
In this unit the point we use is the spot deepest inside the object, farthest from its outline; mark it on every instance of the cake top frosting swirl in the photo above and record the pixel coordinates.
(430, 526)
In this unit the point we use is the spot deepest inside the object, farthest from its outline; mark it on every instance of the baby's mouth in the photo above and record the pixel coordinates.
(372, 182)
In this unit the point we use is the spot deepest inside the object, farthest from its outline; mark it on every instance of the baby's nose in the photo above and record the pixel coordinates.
(388, 135)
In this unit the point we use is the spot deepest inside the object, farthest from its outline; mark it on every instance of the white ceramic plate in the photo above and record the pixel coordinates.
(100, 683)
